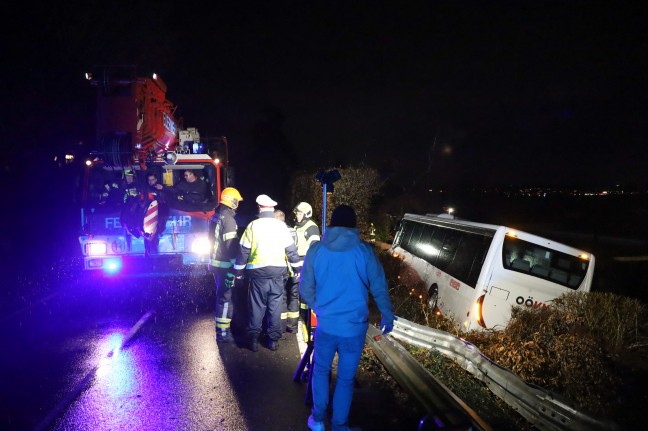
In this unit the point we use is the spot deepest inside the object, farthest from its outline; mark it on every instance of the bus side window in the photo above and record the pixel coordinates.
(449, 249)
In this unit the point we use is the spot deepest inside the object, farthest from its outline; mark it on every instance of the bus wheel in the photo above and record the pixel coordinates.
(433, 297)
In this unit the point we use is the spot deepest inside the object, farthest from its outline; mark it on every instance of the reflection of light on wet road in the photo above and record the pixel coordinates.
(113, 344)
(168, 379)
(212, 397)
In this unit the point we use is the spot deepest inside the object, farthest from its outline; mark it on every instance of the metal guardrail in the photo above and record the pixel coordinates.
(446, 410)
(546, 411)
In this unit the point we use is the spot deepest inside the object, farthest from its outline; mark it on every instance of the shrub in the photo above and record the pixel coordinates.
(586, 346)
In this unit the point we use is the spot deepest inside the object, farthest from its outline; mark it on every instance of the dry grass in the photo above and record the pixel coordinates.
(591, 348)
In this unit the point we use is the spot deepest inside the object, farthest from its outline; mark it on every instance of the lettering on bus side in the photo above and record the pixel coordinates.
(529, 302)
(454, 284)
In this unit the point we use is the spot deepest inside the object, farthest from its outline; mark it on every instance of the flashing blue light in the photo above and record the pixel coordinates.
(112, 266)
(199, 148)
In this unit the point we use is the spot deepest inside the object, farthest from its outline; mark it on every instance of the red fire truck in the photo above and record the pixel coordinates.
(138, 135)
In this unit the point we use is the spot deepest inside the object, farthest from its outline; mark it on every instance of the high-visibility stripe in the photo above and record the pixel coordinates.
(293, 315)
(223, 323)
(221, 264)
(262, 265)
(230, 235)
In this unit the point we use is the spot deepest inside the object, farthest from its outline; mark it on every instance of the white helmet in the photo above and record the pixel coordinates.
(304, 208)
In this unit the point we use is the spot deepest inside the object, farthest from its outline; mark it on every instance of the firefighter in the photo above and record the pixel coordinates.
(307, 234)
(129, 187)
(132, 212)
(110, 194)
(264, 247)
(224, 237)
(280, 215)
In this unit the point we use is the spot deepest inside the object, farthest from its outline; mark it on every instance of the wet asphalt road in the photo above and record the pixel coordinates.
(137, 354)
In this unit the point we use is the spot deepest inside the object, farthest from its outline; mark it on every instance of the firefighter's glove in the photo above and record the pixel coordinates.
(386, 325)
(229, 280)
(238, 274)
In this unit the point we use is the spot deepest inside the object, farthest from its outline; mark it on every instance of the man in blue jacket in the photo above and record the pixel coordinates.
(336, 276)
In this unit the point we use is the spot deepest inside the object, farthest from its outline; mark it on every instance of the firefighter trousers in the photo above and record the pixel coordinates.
(265, 299)
(224, 304)
(292, 303)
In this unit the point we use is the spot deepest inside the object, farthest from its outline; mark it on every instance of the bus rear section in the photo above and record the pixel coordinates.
(471, 273)
(529, 271)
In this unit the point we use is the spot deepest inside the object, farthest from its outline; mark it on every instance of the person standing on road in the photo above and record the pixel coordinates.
(224, 237)
(280, 215)
(337, 274)
(264, 247)
(307, 233)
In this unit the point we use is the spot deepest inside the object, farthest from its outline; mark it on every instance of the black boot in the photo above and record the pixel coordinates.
(253, 342)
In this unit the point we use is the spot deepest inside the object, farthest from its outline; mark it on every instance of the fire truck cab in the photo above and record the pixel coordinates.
(126, 223)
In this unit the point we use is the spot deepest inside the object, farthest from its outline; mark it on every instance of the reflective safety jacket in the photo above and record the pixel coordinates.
(307, 233)
(224, 237)
(264, 247)
(131, 191)
(293, 235)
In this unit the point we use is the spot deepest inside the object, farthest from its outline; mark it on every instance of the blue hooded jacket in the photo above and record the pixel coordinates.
(337, 274)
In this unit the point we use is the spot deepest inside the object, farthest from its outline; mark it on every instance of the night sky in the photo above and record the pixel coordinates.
(464, 93)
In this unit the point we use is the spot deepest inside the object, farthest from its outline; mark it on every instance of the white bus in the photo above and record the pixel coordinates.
(475, 273)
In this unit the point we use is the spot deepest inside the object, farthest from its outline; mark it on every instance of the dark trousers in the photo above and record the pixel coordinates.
(224, 304)
(292, 302)
(265, 298)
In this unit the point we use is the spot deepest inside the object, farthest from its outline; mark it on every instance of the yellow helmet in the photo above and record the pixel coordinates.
(304, 208)
(230, 197)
